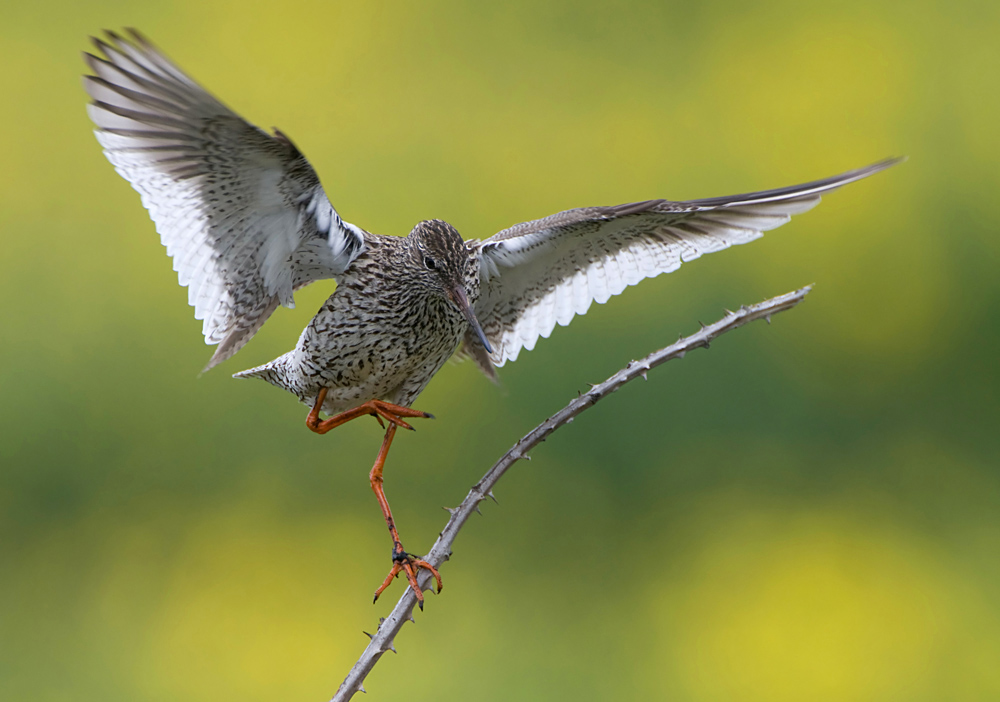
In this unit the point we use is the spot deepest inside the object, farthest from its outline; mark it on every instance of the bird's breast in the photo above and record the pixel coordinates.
(369, 343)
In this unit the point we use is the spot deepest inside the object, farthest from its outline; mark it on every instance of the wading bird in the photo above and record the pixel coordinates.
(247, 223)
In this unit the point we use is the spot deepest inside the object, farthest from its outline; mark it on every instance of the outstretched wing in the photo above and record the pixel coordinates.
(240, 211)
(537, 274)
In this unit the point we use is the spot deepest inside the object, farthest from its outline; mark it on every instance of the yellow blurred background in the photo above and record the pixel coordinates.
(808, 511)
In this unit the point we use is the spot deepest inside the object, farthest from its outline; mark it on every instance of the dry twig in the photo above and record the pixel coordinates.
(382, 640)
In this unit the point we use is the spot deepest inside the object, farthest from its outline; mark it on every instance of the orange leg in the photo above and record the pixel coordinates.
(376, 408)
(401, 560)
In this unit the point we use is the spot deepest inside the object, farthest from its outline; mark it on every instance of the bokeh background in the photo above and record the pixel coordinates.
(809, 510)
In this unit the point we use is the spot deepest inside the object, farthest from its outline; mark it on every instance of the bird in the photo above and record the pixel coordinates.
(247, 223)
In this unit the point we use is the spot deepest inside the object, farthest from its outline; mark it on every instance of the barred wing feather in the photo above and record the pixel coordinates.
(241, 212)
(542, 273)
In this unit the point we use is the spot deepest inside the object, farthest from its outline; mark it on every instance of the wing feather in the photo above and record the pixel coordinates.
(538, 274)
(241, 212)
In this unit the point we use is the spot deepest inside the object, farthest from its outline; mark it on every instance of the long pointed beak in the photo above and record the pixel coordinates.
(460, 298)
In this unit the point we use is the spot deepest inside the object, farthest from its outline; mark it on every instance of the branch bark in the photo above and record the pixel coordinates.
(383, 638)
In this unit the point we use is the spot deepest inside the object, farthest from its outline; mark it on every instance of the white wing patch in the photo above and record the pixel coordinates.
(540, 274)
(554, 288)
(240, 212)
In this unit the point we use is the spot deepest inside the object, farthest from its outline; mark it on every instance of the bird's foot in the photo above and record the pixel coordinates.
(410, 565)
(377, 408)
(394, 413)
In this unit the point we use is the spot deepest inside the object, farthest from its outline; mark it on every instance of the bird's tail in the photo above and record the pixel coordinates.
(278, 372)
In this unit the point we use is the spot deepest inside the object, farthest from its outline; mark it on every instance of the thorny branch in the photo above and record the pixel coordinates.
(383, 638)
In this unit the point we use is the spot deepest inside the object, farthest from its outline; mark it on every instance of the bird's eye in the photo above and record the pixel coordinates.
(430, 263)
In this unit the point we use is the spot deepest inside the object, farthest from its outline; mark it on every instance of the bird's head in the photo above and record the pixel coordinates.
(442, 258)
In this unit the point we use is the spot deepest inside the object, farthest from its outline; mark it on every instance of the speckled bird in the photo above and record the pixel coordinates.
(247, 223)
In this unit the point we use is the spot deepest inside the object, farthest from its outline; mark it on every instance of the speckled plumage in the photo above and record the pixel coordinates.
(246, 221)
(376, 338)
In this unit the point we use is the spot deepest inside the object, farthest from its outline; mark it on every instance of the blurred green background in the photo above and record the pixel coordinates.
(809, 510)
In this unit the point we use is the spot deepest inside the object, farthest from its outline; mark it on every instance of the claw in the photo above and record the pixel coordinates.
(437, 576)
(410, 566)
(398, 422)
(396, 567)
